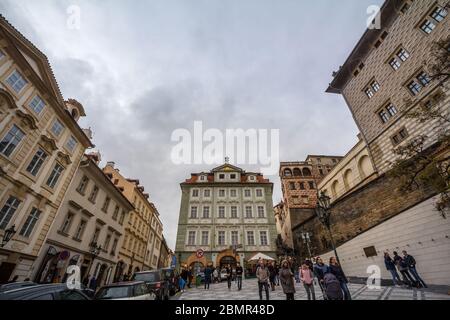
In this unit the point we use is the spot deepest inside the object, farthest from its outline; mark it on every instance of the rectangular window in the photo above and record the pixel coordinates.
(439, 14)
(205, 212)
(221, 176)
(263, 238)
(116, 213)
(428, 26)
(233, 212)
(311, 184)
(95, 236)
(247, 193)
(16, 81)
(195, 193)
(36, 163)
(394, 64)
(391, 109)
(71, 143)
(221, 212)
(221, 238)
(292, 185)
(403, 55)
(122, 217)
(191, 238)
(233, 176)
(259, 193)
(11, 140)
(54, 176)
(37, 104)
(29, 224)
(8, 211)
(67, 222)
(248, 212)
(369, 93)
(107, 241)
(234, 237)
(205, 238)
(194, 212)
(221, 193)
(233, 193)
(302, 185)
(114, 246)
(57, 128)
(375, 86)
(384, 116)
(414, 87)
(250, 238)
(106, 204)
(207, 193)
(399, 136)
(83, 185)
(261, 212)
(93, 196)
(424, 79)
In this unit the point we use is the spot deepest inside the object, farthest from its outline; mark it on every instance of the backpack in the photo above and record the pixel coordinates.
(332, 287)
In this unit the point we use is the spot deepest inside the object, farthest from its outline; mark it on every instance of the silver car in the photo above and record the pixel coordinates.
(133, 290)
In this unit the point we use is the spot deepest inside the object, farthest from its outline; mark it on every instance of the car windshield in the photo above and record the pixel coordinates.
(147, 277)
(113, 292)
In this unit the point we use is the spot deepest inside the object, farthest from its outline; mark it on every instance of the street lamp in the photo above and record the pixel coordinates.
(323, 212)
(307, 240)
(9, 233)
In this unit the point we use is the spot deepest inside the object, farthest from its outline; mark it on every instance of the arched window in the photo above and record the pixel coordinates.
(306, 172)
(364, 166)
(287, 173)
(335, 188)
(297, 172)
(348, 179)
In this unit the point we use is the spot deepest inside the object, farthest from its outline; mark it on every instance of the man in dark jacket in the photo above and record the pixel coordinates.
(403, 268)
(411, 264)
(208, 275)
(239, 272)
(320, 269)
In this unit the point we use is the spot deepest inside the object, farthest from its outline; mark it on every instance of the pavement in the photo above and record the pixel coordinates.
(220, 291)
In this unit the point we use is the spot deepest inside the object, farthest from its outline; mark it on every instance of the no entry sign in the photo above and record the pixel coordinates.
(200, 253)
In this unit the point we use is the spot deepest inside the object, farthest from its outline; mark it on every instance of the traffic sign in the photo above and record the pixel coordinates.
(200, 253)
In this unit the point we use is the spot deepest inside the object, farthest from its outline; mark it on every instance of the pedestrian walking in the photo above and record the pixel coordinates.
(272, 275)
(332, 287)
(93, 283)
(190, 277)
(336, 269)
(229, 276)
(320, 269)
(287, 280)
(277, 272)
(184, 275)
(307, 278)
(262, 274)
(208, 275)
(216, 275)
(403, 269)
(239, 272)
(411, 265)
(390, 266)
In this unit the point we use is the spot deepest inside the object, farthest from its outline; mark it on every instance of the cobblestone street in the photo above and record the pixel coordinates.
(250, 292)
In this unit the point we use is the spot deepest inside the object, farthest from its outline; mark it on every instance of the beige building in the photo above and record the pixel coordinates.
(143, 228)
(91, 218)
(352, 172)
(389, 66)
(41, 145)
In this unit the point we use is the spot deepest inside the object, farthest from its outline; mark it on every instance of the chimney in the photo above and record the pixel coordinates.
(111, 164)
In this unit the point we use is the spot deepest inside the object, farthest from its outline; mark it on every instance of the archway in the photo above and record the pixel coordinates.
(228, 260)
(287, 173)
(297, 172)
(306, 172)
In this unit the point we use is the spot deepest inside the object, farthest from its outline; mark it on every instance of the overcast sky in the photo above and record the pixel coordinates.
(145, 68)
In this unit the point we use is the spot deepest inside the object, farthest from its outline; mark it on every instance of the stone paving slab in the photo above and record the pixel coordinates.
(220, 291)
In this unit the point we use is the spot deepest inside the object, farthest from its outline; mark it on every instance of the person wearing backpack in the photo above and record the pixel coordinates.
(332, 287)
(307, 278)
(336, 269)
(320, 269)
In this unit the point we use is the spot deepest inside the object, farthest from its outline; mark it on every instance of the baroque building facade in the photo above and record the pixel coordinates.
(41, 145)
(91, 218)
(226, 216)
(143, 228)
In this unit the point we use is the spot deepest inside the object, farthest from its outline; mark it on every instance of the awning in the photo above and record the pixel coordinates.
(260, 256)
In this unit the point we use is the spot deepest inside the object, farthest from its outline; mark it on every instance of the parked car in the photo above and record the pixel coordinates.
(131, 290)
(172, 275)
(58, 291)
(16, 285)
(156, 281)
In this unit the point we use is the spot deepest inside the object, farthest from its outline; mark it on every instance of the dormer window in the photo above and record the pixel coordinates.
(233, 176)
(202, 178)
(221, 176)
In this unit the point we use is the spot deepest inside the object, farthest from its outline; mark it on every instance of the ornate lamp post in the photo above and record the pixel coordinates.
(306, 236)
(95, 252)
(9, 233)
(323, 212)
